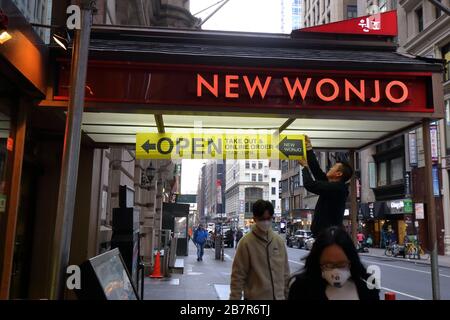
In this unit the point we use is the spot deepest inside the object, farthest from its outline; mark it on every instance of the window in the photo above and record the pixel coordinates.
(251, 196)
(419, 17)
(352, 12)
(273, 203)
(296, 181)
(260, 165)
(297, 202)
(437, 11)
(247, 165)
(382, 174)
(254, 177)
(253, 165)
(260, 177)
(286, 204)
(445, 51)
(284, 185)
(382, 4)
(396, 170)
(274, 191)
(274, 180)
(447, 123)
(284, 166)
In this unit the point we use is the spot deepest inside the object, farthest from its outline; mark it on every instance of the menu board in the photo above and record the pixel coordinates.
(114, 278)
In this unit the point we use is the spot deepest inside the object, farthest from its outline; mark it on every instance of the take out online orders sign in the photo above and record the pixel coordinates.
(219, 146)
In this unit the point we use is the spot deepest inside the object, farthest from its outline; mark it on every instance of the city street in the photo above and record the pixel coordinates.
(129, 128)
(210, 279)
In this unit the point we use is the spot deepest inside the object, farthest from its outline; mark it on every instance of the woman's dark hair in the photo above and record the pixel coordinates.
(261, 206)
(330, 236)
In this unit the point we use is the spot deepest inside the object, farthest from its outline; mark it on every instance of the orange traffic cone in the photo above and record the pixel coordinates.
(157, 269)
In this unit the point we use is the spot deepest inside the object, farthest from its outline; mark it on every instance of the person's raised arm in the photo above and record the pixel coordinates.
(313, 163)
(316, 186)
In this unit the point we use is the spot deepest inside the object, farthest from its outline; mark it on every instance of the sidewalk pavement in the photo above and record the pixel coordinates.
(205, 280)
(444, 261)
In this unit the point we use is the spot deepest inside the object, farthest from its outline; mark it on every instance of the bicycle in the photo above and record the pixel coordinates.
(415, 251)
(393, 250)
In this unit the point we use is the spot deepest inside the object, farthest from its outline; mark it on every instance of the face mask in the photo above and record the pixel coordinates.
(336, 277)
(264, 225)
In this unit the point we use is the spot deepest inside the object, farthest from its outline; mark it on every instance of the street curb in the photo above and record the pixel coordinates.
(402, 259)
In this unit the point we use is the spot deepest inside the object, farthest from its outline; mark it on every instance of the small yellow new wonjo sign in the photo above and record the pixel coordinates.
(219, 146)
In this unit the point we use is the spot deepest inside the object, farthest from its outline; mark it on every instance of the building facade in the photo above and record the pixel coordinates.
(367, 7)
(211, 191)
(274, 194)
(246, 182)
(160, 13)
(291, 15)
(422, 31)
(317, 12)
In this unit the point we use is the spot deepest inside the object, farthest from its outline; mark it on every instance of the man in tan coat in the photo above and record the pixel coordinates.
(260, 266)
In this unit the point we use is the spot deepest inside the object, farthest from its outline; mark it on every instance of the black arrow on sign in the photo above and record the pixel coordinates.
(147, 146)
(290, 147)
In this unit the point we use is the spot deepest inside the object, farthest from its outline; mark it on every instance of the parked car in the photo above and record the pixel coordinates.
(298, 239)
(309, 243)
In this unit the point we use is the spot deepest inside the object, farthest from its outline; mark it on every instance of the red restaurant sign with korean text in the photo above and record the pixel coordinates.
(381, 24)
(235, 88)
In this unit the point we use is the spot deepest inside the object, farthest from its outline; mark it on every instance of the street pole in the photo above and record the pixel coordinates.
(431, 210)
(353, 198)
(71, 152)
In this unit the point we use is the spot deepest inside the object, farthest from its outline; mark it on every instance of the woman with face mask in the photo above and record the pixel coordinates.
(333, 271)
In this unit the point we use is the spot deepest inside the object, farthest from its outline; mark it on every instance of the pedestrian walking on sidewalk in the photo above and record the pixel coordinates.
(333, 271)
(260, 267)
(200, 237)
(331, 188)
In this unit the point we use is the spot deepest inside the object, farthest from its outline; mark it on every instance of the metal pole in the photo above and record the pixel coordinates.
(353, 199)
(71, 152)
(431, 210)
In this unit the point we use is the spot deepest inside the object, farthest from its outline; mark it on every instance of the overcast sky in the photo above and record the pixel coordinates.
(236, 15)
(241, 15)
